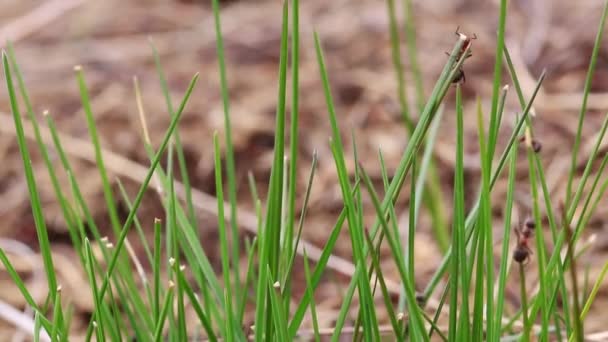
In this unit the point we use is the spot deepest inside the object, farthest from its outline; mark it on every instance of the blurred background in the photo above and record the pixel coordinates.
(110, 39)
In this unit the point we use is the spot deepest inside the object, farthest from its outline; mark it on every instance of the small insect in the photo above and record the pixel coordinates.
(524, 233)
(535, 144)
(466, 44)
(459, 76)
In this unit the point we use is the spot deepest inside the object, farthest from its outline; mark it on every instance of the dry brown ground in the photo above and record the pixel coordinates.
(109, 38)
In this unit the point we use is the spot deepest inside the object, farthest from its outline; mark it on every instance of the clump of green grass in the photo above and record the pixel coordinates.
(130, 302)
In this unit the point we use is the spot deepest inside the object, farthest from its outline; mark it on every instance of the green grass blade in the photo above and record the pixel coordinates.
(41, 146)
(39, 222)
(99, 161)
(540, 244)
(158, 331)
(298, 316)
(416, 320)
(412, 49)
(125, 229)
(278, 314)
(397, 65)
(485, 223)
(195, 301)
(578, 333)
(181, 159)
(225, 253)
(369, 318)
(293, 146)
(229, 157)
(505, 257)
(459, 213)
(250, 248)
(270, 245)
(311, 177)
(472, 216)
(594, 291)
(385, 294)
(97, 299)
(432, 198)
(156, 270)
(58, 327)
(309, 290)
(583, 112)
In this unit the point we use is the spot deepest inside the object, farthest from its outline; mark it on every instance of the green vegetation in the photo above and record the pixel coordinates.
(150, 305)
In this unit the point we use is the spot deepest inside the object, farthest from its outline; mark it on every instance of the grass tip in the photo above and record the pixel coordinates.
(58, 288)
(94, 324)
(45, 113)
(109, 245)
(532, 112)
(276, 285)
(506, 87)
(104, 239)
(157, 220)
(400, 316)
(182, 267)
(78, 68)
(171, 261)
(171, 284)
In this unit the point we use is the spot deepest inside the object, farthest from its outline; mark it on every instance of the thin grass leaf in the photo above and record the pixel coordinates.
(347, 298)
(540, 244)
(16, 279)
(293, 147)
(385, 294)
(41, 146)
(583, 112)
(228, 141)
(39, 221)
(278, 315)
(270, 246)
(181, 159)
(160, 323)
(472, 216)
(97, 299)
(524, 303)
(249, 278)
(99, 161)
(485, 223)
(58, 327)
(433, 199)
(125, 229)
(298, 315)
(195, 301)
(594, 291)
(311, 177)
(309, 290)
(546, 194)
(458, 225)
(412, 49)
(365, 296)
(505, 257)
(416, 321)
(578, 332)
(398, 66)
(225, 253)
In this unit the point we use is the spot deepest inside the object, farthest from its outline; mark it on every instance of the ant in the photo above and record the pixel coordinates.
(534, 144)
(467, 42)
(459, 76)
(524, 233)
